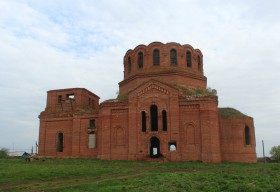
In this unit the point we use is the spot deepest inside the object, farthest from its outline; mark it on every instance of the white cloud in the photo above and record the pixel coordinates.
(59, 44)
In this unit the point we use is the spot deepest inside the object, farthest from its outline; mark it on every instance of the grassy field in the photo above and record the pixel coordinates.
(97, 175)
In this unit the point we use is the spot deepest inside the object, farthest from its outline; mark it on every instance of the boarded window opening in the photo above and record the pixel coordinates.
(143, 116)
(59, 142)
(91, 140)
(164, 121)
(154, 117)
(91, 134)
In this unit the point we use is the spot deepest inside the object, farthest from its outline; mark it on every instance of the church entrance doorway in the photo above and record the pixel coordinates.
(154, 147)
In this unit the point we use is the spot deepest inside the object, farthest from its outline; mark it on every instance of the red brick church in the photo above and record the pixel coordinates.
(164, 110)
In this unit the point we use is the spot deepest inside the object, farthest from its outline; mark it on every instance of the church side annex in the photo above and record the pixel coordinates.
(164, 111)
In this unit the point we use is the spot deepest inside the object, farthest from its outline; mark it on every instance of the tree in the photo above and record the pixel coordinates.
(275, 153)
(4, 152)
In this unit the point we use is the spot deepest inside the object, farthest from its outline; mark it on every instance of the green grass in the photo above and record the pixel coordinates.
(97, 175)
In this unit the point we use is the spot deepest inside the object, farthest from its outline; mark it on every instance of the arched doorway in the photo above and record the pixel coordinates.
(154, 147)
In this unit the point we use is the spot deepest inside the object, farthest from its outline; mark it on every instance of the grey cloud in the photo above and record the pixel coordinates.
(60, 44)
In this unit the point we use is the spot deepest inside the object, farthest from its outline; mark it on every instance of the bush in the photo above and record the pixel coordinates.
(275, 153)
(4, 153)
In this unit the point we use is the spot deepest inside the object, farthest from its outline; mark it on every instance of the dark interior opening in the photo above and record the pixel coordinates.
(164, 121)
(143, 114)
(154, 117)
(155, 147)
(59, 142)
(247, 136)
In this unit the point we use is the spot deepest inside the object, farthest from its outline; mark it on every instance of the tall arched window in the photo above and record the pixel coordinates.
(129, 64)
(154, 117)
(198, 63)
(140, 60)
(173, 57)
(189, 59)
(143, 117)
(156, 57)
(59, 142)
(164, 120)
(247, 136)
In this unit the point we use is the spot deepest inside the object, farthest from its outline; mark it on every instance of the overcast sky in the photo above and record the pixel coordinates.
(55, 44)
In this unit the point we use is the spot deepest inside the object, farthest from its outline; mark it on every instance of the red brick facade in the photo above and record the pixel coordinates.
(164, 110)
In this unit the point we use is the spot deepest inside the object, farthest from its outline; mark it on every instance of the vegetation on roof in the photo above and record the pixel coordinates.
(110, 101)
(122, 96)
(230, 112)
(198, 91)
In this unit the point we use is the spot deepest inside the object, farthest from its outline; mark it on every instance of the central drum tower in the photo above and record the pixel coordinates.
(158, 112)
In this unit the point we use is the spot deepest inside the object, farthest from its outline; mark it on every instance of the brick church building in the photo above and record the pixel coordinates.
(164, 110)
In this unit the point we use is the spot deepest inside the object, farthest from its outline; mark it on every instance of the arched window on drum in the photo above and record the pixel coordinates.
(198, 63)
(173, 57)
(189, 59)
(140, 60)
(156, 58)
(129, 65)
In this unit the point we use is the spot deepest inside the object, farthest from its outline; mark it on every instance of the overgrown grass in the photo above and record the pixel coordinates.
(231, 112)
(196, 92)
(97, 175)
